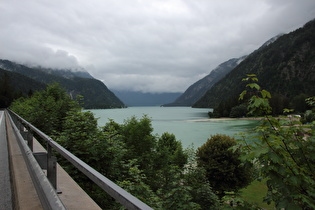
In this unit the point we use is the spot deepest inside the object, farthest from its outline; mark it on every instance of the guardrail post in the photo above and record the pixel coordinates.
(51, 167)
(30, 139)
(21, 126)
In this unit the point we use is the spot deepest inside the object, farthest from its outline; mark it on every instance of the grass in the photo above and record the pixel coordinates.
(255, 192)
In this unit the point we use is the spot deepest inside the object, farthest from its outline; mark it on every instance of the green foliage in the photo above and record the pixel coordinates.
(179, 197)
(284, 153)
(201, 190)
(152, 168)
(79, 134)
(309, 115)
(168, 159)
(224, 170)
(239, 111)
(310, 101)
(225, 108)
(235, 201)
(46, 109)
(298, 103)
(254, 194)
(137, 135)
(136, 185)
(163, 181)
(258, 104)
(170, 151)
(279, 102)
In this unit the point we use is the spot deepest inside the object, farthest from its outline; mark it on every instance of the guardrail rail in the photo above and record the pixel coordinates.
(36, 162)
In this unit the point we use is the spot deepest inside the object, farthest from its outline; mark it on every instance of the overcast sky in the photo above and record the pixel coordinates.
(143, 45)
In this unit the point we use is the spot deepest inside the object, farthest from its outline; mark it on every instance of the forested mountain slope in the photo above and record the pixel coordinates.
(94, 92)
(199, 88)
(14, 85)
(285, 67)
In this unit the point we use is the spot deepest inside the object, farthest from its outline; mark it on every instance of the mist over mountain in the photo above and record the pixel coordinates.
(95, 93)
(34, 70)
(68, 73)
(285, 67)
(199, 88)
(132, 98)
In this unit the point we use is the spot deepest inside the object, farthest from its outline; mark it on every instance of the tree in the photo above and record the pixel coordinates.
(284, 153)
(309, 115)
(79, 134)
(46, 109)
(225, 106)
(239, 111)
(168, 160)
(170, 151)
(200, 189)
(138, 138)
(298, 103)
(136, 185)
(224, 170)
(279, 102)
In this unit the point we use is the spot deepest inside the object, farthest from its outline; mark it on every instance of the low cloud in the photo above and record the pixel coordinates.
(36, 55)
(149, 46)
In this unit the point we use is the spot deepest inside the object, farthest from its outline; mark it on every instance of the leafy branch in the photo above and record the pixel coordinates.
(283, 151)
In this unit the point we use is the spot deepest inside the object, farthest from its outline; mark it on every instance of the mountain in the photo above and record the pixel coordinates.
(66, 73)
(199, 88)
(285, 67)
(95, 93)
(22, 86)
(132, 98)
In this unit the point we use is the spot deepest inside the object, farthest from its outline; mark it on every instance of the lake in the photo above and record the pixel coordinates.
(189, 125)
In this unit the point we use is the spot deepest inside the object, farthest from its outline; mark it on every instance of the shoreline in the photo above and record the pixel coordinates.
(241, 118)
(225, 118)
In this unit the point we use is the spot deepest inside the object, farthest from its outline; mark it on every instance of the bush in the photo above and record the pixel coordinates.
(224, 170)
(239, 111)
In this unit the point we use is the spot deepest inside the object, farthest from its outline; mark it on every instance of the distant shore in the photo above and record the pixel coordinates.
(241, 118)
(226, 118)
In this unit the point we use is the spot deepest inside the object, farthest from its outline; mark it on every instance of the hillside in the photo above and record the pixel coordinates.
(22, 86)
(285, 67)
(95, 93)
(199, 88)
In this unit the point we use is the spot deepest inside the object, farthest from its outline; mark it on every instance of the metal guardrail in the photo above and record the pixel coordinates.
(119, 194)
(46, 192)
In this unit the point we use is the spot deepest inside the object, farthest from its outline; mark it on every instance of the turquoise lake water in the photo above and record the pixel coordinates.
(190, 125)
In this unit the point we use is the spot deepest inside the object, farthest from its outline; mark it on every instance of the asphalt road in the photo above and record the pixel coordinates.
(5, 185)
